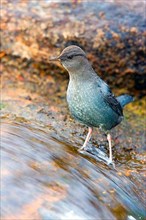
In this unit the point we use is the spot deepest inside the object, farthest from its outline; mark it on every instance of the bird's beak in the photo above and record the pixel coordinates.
(54, 59)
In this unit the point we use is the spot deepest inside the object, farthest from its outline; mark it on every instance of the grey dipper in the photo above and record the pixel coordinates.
(89, 98)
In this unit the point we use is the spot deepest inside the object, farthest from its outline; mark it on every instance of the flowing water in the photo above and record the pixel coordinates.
(43, 178)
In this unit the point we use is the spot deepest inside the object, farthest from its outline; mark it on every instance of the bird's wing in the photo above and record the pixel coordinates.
(110, 99)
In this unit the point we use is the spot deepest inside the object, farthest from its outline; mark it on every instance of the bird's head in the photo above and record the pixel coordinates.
(73, 58)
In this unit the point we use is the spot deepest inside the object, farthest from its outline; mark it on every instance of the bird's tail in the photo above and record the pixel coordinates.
(124, 99)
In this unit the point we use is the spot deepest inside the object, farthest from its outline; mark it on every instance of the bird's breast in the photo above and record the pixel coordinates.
(81, 103)
(87, 105)
(75, 99)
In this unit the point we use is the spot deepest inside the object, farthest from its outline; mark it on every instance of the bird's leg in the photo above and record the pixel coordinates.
(110, 147)
(87, 139)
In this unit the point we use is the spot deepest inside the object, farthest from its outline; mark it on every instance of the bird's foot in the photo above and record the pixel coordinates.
(81, 149)
(110, 162)
(96, 153)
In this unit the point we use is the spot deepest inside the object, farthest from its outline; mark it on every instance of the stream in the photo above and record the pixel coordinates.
(44, 178)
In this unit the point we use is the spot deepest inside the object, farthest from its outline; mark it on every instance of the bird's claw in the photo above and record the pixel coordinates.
(111, 162)
(81, 150)
(88, 149)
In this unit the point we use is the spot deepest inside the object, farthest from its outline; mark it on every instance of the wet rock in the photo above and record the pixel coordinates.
(55, 181)
(112, 34)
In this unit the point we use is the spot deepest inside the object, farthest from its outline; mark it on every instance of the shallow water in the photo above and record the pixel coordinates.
(43, 178)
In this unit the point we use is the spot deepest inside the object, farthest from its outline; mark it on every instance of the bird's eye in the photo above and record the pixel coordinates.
(69, 57)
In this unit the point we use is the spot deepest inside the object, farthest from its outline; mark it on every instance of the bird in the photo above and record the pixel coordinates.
(90, 99)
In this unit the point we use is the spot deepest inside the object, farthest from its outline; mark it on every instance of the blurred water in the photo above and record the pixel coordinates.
(42, 178)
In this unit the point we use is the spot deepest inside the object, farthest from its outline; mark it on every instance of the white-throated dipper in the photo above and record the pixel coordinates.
(89, 98)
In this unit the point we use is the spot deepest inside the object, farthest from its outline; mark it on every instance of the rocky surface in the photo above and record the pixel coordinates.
(41, 162)
(112, 34)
